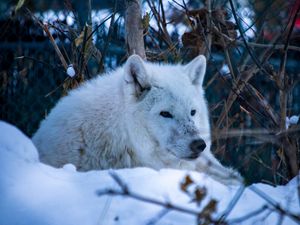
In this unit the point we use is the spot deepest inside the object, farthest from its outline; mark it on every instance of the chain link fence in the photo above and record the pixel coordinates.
(30, 86)
(31, 74)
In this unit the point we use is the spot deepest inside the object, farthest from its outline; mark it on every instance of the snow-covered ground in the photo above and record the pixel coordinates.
(34, 193)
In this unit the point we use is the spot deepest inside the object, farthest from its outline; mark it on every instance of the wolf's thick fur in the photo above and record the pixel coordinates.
(142, 114)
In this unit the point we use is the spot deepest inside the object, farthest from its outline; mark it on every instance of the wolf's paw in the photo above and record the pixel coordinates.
(229, 177)
(224, 175)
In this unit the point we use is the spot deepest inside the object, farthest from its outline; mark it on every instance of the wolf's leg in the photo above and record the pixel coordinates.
(208, 164)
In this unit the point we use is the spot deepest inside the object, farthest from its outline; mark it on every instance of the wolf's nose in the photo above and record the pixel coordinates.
(197, 145)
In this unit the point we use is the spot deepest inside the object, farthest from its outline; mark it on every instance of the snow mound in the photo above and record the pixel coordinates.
(35, 193)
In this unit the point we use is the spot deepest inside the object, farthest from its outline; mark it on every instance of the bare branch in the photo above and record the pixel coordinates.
(244, 39)
(275, 46)
(233, 203)
(274, 204)
(166, 205)
(158, 217)
(249, 215)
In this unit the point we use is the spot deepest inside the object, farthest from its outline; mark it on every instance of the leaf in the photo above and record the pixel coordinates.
(85, 40)
(206, 214)
(146, 21)
(19, 5)
(186, 183)
(199, 194)
(209, 208)
(79, 40)
(280, 154)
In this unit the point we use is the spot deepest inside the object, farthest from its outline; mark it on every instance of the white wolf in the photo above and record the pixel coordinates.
(142, 114)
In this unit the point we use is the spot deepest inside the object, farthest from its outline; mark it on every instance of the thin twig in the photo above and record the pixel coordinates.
(258, 160)
(276, 206)
(232, 203)
(56, 48)
(249, 215)
(42, 62)
(244, 39)
(126, 192)
(208, 26)
(275, 46)
(158, 217)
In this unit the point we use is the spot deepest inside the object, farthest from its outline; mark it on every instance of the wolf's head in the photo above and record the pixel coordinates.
(167, 105)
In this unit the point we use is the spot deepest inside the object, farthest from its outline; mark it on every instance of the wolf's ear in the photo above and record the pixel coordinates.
(136, 75)
(196, 70)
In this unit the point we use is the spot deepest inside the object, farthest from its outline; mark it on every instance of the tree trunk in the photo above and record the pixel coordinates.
(134, 28)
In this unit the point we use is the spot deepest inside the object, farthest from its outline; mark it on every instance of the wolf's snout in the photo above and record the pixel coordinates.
(197, 145)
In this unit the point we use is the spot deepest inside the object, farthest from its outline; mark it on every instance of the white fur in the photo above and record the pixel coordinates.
(114, 121)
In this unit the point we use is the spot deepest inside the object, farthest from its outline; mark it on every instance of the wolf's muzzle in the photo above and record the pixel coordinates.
(197, 145)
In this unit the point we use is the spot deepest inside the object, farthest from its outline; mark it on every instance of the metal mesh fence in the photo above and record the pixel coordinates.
(31, 74)
(30, 85)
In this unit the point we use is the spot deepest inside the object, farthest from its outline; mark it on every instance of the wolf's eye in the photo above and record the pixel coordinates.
(193, 112)
(166, 114)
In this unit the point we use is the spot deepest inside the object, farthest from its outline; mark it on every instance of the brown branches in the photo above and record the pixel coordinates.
(290, 148)
(162, 34)
(62, 59)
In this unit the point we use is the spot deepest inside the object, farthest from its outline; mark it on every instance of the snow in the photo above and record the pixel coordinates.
(225, 70)
(293, 120)
(35, 193)
(71, 70)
